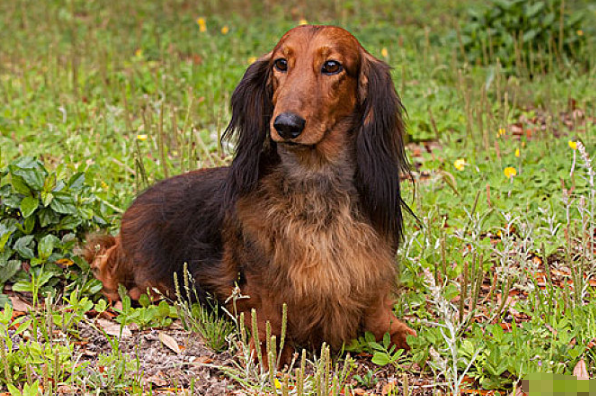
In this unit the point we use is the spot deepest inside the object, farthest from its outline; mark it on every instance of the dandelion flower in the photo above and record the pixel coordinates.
(580, 32)
(252, 60)
(517, 153)
(142, 138)
(303, 22)
(202, 25)
(104, 185)
(225, 30)
(139, 53)
(510, 172)
(384, 52)
(572, 144)
(460, 164)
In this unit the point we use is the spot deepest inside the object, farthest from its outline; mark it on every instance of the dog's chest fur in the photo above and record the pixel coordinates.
(306, 242)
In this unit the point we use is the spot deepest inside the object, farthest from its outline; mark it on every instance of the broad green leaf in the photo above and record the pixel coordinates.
(28, 225)
(28, 206)
(4, 301)
(45, 247)
(19, 185)
(534, 9)
(50, 183)
(12, 201)
(63, 204)
(68, 223)
(529, 35)
(23, 286)
(8, 270)
(381, 359)
(77, 181)
(47, 216)
(5, 233)
(31, 171)
(46, 198)
(23, 246)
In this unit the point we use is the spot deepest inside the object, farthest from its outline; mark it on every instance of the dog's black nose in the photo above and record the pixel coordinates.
(289, 125)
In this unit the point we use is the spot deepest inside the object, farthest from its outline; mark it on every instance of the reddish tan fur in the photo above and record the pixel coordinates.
(304, 231)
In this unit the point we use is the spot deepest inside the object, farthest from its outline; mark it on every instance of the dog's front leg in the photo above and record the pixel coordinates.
(381, 319)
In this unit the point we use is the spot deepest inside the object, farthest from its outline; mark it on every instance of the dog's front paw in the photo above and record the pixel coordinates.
(399, 336)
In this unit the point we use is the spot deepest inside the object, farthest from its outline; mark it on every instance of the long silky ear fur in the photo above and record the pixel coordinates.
(251, 113)
(380, 149)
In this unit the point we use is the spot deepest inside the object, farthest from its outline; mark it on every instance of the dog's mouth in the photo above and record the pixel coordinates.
(295, 146)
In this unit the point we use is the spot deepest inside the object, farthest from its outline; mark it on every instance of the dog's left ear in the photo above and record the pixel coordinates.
(380, 148)
(251, 113)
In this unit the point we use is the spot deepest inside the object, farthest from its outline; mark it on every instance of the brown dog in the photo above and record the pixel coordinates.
(309, 213)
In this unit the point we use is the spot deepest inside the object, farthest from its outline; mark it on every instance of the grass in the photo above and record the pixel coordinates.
(497, 279)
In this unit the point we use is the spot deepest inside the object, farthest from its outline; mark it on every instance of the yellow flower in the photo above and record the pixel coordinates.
(277, 383)
(225, 30)
(501, 131)
(517, 153)
(202, 25)
(384, 52)
(573, 145)
(303, 22)
(252, 60)
(104, 185)
(460, 164)
(142, 138)
(580, 32)
(509, 172)
(139, 53)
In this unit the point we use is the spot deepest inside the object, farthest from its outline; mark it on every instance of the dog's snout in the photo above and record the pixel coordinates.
(289, 125)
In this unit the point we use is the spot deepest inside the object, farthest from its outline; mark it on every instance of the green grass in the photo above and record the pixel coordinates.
(498, 277)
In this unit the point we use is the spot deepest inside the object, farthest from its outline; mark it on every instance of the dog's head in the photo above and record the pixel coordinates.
(320, 93)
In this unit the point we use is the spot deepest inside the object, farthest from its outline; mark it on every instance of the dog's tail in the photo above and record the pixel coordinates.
(107, 261)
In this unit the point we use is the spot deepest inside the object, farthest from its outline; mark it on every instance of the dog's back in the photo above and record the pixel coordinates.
(176, 221)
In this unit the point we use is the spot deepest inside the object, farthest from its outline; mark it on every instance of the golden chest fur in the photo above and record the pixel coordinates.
(324, 261)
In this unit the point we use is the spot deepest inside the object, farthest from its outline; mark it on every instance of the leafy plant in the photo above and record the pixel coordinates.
(383, 352)
(207, 321)
(367, 380)
(42, 216)
(28, 390)
(148, 314)
(518, 31)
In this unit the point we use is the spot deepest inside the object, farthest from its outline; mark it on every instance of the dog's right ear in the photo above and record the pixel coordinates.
(251, 114)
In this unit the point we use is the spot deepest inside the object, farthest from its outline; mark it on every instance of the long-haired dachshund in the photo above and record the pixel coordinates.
(308, 214)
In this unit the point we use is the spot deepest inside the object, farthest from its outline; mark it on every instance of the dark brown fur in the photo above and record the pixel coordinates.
(313, 222)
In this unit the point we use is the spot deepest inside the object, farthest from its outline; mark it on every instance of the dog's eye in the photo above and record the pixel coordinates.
(331, 67)
(281, 65)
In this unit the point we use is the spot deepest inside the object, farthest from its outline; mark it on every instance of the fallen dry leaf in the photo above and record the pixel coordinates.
(113, 328)
(388, 388)
(65, 390)
(580, 371)
(201, 360)
(560, 273)
(19, 305)
(64, 262)
(158, 379)
(169, 341)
